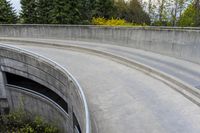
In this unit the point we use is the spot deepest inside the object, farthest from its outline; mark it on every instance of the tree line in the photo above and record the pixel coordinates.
(174, 12)
(150, 12)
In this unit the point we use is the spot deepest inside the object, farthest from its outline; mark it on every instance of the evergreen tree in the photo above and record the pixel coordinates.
(87, 10)
(197, 13)
(71, 11)
(136, 14)
(44, 10)
(75, 11)
(104, 8)
(29, 11)
(122, 9)
(60, 12)
(8, 14)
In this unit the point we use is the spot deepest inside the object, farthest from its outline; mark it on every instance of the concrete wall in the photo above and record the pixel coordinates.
(182, 43)
(4, 107)
(52, 76)
(37, 105)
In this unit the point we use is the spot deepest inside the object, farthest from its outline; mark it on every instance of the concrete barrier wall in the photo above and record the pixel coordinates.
(37, 105)
(52, 76)
(181, 43)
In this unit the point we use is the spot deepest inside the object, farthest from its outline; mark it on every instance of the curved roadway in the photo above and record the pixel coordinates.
(124, 100)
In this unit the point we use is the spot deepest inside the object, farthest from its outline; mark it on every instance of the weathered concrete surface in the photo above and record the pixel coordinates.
(50, 75)
(186, 71)
(4, 106)
(182, 43)
(2, 86)
(37, 105)
(122, 99)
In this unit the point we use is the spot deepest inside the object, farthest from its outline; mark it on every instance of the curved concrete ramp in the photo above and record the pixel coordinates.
(123, 99)
(186, 71)
(141, 79)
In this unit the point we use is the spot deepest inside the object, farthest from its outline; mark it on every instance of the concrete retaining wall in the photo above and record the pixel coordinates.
(37, 105)
(181, 43)
(52, 76)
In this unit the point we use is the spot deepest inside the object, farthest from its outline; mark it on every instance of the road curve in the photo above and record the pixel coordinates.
(186, 71)
(123, 99)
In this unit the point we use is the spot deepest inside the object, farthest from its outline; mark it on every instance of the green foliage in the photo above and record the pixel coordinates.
(76, 11)
(132, 11)
(121, 9)
(81, 11)
(44, 8)
(104, 8)
(113, 22)
(87, 10)
(60, 12)
(188, 17)
(136, 13)
(7, 13)
(56, 11)
(163, 13)
(29, 11)
(20, 122)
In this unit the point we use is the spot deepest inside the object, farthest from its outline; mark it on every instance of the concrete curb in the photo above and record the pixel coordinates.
(115, 27)
(183, 88)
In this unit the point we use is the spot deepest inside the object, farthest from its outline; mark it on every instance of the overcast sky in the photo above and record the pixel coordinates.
(16, 4)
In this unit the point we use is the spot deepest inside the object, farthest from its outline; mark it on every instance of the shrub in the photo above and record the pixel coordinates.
(20, 122)
(113, 22)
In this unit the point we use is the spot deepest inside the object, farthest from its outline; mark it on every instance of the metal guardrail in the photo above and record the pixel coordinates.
(66, 72)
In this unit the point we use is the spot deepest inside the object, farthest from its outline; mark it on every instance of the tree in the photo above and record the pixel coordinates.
(161, 9)
(44, 10)
(177, 6)
(60, 12)
(29, 11)
(132, 11)
(56, 11)
(104, 8)
(122, 8)
(174, 11)
(188, 17)
(87, 10)
(163, 12)
(8, 14)
(150, 7)
(136, 14)
(71, 12)
(76, 11)
(197, 13)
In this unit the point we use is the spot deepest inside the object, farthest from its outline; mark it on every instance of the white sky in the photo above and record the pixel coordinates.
(16, 5)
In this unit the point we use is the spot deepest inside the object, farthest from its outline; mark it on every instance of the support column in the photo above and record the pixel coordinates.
(4, 107)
